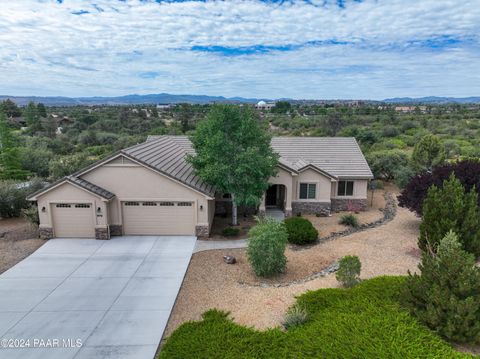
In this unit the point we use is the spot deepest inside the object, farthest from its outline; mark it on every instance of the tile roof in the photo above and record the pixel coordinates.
(88, 186)
(341, 157)
(166, 154)
(99, 191)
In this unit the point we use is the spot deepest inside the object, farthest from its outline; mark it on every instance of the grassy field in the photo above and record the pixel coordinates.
(363, 322)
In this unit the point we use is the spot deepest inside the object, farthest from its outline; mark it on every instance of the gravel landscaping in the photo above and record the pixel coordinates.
(17, 241)
(210, 283)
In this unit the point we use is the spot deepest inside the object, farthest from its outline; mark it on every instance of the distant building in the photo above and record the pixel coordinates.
(164, 106)
(408, 109)
(262, 105)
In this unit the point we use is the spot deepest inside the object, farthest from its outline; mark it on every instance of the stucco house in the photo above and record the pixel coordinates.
(150, 189)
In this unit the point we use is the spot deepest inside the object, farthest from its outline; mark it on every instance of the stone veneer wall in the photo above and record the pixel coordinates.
(349, 204)
(45, 232)
(116, 230)
(321, 208)
(102, 233)
(202, 231)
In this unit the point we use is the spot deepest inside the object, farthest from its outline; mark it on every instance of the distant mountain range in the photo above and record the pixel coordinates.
(162, 98)
(433, 100)
(165, 98)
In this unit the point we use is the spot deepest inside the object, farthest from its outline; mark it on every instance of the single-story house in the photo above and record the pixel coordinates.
(150, 189)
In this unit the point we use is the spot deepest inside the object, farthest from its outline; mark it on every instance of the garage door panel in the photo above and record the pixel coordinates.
(73, 220)
(157, 218)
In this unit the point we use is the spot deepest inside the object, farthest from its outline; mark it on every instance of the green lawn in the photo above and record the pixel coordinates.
(363, 322)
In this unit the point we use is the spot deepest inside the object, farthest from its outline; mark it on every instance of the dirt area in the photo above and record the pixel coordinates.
(220, 223)
(17, 241)
(210, 283)
(327, 225)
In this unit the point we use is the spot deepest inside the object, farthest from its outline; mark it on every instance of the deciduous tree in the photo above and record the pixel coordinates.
(233, 154)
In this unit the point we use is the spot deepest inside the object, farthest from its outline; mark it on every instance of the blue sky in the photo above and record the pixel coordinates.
(371, 49)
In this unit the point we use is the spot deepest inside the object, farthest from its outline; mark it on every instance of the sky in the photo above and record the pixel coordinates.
(316, 49)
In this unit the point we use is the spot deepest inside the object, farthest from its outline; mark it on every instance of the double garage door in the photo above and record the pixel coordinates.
(139, 217)
(164, 217)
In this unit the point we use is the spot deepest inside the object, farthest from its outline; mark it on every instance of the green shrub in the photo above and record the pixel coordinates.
(230, 232)
(13, 196)
(294, 317)
(349, 271)
(362, 322)
(300, 230)
(266, 247)
(446, 294)
(31, 214)
(349, 220)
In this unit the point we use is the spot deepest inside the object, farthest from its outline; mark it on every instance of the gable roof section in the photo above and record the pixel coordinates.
(166, 154)
(79, 182)
(340, 157)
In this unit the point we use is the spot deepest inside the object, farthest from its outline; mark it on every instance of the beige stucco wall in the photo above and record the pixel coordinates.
(323, 183)
(136, 182)
(69, 193)
(360, 188)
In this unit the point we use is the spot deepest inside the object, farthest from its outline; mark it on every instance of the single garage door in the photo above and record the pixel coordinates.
(73, 220)
(157, 218)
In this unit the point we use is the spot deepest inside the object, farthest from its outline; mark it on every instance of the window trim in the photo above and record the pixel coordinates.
(308, 185)
(346, 186)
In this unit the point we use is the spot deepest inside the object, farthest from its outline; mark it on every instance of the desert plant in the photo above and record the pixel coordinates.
(300, 230)
(295, 316)
(446, 294)
(349, 271)
(349, 220)
(230, 232)
(266, 247)
(450, 208)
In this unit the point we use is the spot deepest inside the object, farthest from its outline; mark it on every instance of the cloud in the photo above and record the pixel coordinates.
(300, 49)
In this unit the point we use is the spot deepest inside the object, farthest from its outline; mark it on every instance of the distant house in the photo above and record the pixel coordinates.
(408, 109)
(164, 106)
(262, 105)
(150, 189)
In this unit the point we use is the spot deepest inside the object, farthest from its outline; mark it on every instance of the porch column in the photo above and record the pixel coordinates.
(261, 208)
(288, 201)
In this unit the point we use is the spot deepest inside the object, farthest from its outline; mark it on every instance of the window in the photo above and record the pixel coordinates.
(184, 204)
(308, 190)
(132, 204)
(82, 205)
(168, 204)
(150, 204)
(63, 205)
(345, 188)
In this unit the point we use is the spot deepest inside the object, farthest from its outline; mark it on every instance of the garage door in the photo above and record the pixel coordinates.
(155, 218)
(73, 220)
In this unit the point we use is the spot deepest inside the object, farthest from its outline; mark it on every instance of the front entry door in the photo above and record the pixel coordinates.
(271, 197)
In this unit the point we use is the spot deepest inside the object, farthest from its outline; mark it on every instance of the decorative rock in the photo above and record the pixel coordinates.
(229, 259)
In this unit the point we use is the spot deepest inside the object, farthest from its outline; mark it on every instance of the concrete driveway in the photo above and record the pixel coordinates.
(84, 298)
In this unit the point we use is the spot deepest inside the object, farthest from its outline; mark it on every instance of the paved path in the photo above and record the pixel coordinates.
(112, 297)
(206, 245)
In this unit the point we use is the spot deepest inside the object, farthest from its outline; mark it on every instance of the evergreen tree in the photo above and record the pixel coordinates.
(41, 110)
(10, 161)
(32, 117)
(446, 294)
(451, 208)
(428, 152)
